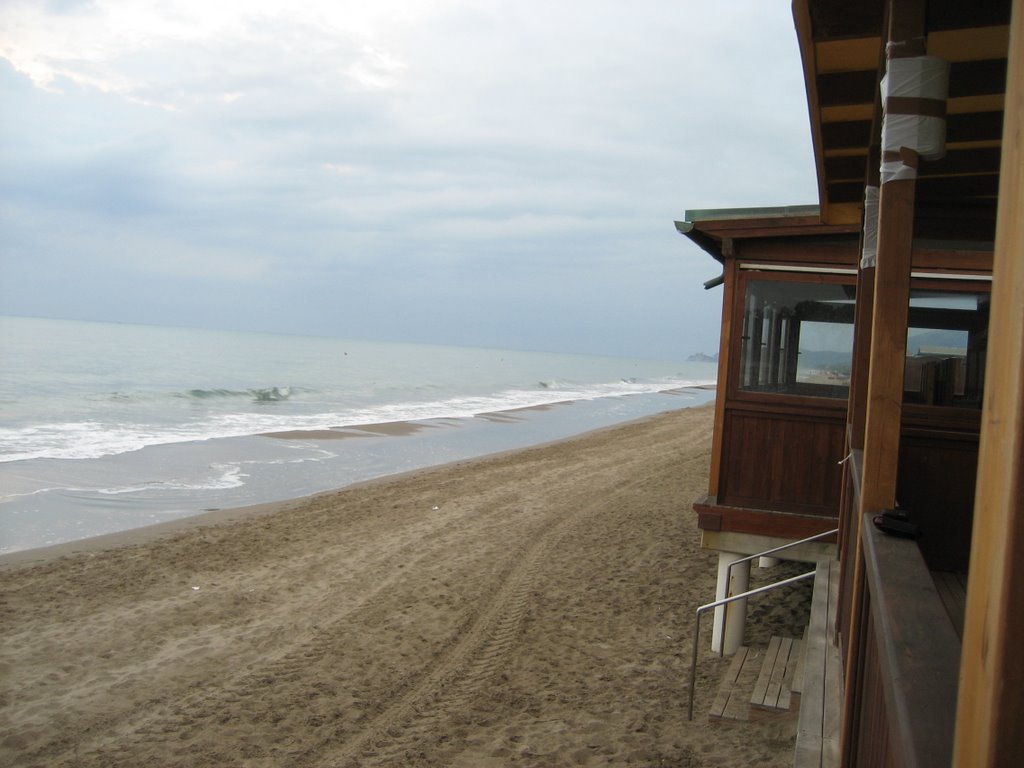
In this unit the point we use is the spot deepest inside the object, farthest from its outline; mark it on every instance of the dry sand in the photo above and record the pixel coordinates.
(531, 608)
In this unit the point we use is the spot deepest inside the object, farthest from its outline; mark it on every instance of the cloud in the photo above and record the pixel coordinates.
(491, 152)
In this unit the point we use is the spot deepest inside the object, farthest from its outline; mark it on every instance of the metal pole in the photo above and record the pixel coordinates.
(728, 574)
(693, 662)
(726, 601)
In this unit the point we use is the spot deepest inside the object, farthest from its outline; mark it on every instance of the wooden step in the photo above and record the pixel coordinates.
(768, 673)
(728, 699)
(773, 689)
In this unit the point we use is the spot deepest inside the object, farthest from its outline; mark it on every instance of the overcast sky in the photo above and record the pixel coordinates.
(498, 173)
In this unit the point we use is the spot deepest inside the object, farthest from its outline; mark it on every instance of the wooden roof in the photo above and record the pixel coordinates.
(712, 229)
(842, 46)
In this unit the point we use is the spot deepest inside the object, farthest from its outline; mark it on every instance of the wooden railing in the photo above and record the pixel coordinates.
(906, 659)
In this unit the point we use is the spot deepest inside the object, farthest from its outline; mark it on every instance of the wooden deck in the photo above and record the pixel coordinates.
(952, 589)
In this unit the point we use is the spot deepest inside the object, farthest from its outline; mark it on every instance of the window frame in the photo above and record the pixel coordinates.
(790, 275)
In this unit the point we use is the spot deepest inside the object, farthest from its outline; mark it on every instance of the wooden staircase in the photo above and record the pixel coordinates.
(761, 682)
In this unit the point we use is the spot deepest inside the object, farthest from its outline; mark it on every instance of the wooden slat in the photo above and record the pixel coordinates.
(764, 678)
(738, 706)
(774, 691)
(832, 716)
(725, 689)
(834, 572)
(787, 699)
(809, 740)
(797, 684)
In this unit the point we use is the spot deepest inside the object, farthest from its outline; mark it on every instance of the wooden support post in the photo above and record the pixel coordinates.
(891, 298)
(991, 696)
(888, 345)
(883, 402)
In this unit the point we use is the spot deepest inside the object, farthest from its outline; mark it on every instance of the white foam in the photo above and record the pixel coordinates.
(92, 438)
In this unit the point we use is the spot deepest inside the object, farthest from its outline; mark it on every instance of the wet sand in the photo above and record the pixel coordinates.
(529, 608)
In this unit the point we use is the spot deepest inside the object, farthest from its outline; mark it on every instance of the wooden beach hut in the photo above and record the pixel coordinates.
(872, 359)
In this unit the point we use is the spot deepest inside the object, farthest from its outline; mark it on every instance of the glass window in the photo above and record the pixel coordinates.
(797, 338)
(947, 336)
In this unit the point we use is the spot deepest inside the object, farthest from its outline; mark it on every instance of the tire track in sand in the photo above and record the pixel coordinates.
(475, 657)
(175, 718)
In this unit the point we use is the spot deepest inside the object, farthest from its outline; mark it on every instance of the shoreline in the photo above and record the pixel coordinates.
(163, 484)
(212, 517)
(531, 607)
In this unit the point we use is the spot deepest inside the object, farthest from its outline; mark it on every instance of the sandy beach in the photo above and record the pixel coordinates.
(531, 608)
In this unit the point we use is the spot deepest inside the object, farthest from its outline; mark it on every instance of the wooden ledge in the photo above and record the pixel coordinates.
(712, 516)
(919, 652)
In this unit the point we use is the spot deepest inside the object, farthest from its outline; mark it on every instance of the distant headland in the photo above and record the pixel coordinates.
(700, 357)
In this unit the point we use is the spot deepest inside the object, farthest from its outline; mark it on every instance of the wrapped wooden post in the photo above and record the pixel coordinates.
(914, 124)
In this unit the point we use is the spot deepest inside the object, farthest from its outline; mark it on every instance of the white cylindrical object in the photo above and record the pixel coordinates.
(913, 94)
(733, 634)
(870, 244)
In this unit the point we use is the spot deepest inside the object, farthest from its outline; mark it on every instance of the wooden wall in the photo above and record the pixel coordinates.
(936, 485)
(782, 461)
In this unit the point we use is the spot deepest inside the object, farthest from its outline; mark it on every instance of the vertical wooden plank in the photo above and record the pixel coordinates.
(991, 694)
(812, 699)
(832, 716)
(730, 271)
(797, 683)
(789, 680)
(857, 408)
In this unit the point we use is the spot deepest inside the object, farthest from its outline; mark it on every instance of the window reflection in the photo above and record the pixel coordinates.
(797, 338)
(947, 336)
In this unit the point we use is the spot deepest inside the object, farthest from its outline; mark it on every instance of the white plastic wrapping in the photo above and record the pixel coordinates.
(914, 102)
(870, 240)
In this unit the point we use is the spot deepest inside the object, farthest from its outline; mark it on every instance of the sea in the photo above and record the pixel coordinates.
(108, 427)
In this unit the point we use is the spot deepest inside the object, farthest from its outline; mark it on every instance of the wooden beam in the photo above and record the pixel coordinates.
(991, 695)
(886, 356)
(891, 298)
(888, 345)
(857, 404)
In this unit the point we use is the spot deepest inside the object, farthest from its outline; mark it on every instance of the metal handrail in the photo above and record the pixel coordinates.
(773, 550)
(725, 601)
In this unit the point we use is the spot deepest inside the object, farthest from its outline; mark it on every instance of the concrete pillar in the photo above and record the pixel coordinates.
(737, 610)
(768, 561)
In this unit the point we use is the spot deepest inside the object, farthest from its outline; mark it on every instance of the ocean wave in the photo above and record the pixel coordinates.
(225, 476)
(262, 395)
(92, 438)
(200, 395)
